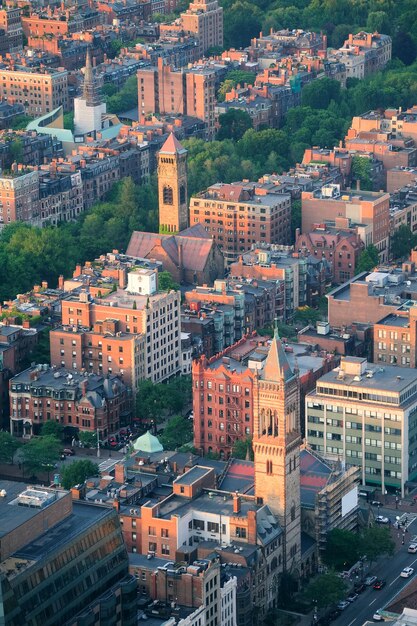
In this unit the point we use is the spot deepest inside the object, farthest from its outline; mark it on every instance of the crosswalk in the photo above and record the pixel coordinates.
(406, 519)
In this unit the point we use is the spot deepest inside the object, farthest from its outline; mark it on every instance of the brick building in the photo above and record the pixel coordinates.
(73, 399)
(363, 207)
(166, 90)
(10, 22)
(238, 215)
(399, 177)
(40, 91)
(148, 321)
(204, 19)
(338, 244)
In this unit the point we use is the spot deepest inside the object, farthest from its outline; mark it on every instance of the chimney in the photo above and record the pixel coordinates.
(77, 271)
(236, 503)
(122, 274)
(358, 184)
(61, 282)
(26, 324)
(84, 387)
(44, 284)
(252, 527)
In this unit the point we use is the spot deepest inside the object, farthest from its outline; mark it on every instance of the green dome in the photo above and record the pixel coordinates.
(147, 443)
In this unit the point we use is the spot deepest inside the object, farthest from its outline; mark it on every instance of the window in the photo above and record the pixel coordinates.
(165, 548)
(152, 531)
(269, 468)
(152, 546)
(240, 532)
(212, 527)
(198, 524)
(164, 532)
(168, 196)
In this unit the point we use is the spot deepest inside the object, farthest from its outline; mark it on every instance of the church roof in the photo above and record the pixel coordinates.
(148, 443)
(196, 247)
(276, 363)
(173, 146)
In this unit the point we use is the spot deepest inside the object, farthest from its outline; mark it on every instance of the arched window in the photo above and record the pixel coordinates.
(168, 196)
(293, 513)
(182, 194)
(269, 468)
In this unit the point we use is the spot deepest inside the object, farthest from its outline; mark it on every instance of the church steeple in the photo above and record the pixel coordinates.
(276, 364)
(172, 187)
(276, 445)
(91, 91)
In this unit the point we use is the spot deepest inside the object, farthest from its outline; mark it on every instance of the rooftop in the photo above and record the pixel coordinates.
(386, 379)
(194, 474)
(16, 510)
(395, 320)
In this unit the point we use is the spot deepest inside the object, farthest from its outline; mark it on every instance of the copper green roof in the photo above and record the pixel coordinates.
(148, 443)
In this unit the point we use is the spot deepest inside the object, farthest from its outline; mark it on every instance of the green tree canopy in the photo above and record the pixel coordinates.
(319, 93)
(361, 170)
(177, 432)
(166, 282)
(55, 429)
(377, 541)
(8, 447)
(325, 590)
(88, 438)
(233, 124)
(368, 259)
(40, 454)
(402, 242)
(343, 549)
(77, 472)
(242, 448)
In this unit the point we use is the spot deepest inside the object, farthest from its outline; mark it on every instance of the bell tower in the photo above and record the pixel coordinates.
(276, 445)
(172, 187)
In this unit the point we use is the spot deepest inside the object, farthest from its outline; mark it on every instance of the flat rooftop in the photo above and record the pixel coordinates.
(194, 474)
(399, 321)
(13, 514)
(387, 378)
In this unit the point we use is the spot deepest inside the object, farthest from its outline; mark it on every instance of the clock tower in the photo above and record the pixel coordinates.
(276, 445)
(172, 187)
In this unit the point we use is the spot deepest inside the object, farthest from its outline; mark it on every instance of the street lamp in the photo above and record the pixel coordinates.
(98, 445)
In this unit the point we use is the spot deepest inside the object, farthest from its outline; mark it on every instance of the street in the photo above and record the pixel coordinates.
(388, 569)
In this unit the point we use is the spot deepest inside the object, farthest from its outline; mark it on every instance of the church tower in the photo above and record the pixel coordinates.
(276, 445)
(172, 187)
(88, 108)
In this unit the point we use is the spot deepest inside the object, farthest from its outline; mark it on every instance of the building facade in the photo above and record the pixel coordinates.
(366, 415)
(172, 187)
(238, 215)
(38, 91)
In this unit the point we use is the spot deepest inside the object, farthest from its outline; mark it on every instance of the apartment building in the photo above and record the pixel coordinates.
(366, 415)
(204, 19)
(111, 323)
(395, 122)
(39, 91)
(166, 90)
(238, 215)
(399, 177)
(374, 47)
(337, 242)
(362, 207)
(76, 400)
(10, 22)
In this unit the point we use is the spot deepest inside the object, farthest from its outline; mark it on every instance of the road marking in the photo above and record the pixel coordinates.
(354, 620)
(393, 581)
(372, 602)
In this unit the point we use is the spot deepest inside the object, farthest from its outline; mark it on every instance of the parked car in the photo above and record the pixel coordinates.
(412, 548)
(376, 503)
(342, 605)
(380, 519)
(377, 617)
(334, 614)
(359, 587)
(69, 451)
(407, 572)
(370, 580)
(379, 584)
(352, 597)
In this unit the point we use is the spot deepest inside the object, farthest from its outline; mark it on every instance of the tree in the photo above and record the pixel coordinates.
(16, 150)
(242, 23)
(342, 549)
(241, 448)
(126, 98)
(319, 93)
(88, 438)
(361, 170)
(325, 590)
(166, 282)
(295, 216)
(150, 401)
(8, 447)
(177, 432)
(40, 454)
(402, 242)
(376, 541)
(76, 473)
(233, 124)
(55, 429)
(368, 259)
